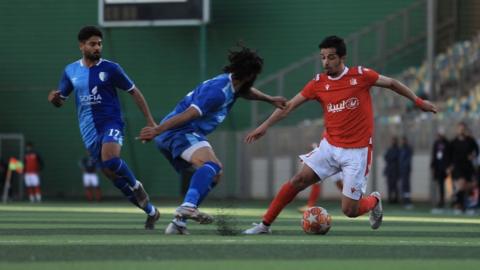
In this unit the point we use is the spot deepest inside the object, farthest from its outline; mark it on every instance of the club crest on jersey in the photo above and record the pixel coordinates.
(327, 86)
(353, 81)
(348, 104)
(102, 76)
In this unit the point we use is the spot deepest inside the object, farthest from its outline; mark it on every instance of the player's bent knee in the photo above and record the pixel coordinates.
(350, 212)
(197, 163)
(300, 182)
(218, 178)
(215, 166)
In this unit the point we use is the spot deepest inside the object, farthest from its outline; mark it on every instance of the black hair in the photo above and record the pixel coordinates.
(334, 42)
(29, 143)
(243, 63)
(88, 32)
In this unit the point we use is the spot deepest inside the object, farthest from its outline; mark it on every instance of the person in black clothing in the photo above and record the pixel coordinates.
(464, 150)
(439, 162)
(405, 155)
(391, 171)
(90, 178)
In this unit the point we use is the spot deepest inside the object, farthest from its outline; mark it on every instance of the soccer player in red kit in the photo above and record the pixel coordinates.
(344, 94)
(33, 166)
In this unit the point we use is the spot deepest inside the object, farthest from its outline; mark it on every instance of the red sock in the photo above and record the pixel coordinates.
(286, 194)
(89, 194)
(38, 190)
(98, 194)
(366, 204)
(30, 191)
(314, 194)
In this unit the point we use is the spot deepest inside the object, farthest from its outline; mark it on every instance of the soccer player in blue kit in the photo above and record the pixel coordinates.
(181, 134)
(94, 82)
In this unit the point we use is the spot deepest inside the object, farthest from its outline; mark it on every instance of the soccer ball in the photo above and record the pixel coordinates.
(316, 220)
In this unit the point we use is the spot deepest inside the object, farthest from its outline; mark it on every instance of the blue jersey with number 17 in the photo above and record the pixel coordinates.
(213, 99)
(98, 107)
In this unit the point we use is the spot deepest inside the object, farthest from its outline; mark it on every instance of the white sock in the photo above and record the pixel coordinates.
(187, 204)
(179, 222)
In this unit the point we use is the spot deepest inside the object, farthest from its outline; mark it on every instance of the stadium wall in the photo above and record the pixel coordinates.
(39, 39)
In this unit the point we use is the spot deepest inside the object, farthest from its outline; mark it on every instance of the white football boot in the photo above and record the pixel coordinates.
(259, 228)
(193, 213)
(176, 227)
(376, 215)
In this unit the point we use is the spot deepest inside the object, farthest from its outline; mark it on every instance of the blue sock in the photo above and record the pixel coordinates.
(202, 196)
(120, 167)
(201, 182)
(122, 185)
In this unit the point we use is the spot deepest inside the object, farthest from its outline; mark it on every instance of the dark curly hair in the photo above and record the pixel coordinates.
(243, 63)
(88, 32)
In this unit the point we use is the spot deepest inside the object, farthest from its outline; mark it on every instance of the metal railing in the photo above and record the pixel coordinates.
(373, 46)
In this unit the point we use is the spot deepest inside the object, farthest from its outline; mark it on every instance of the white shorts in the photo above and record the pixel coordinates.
(32, 180)
(90, 180)
(354, 163)
(334, 178)
(187, 154)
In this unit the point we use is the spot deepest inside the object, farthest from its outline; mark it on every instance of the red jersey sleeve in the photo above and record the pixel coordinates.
(308, 90)
(371, 76)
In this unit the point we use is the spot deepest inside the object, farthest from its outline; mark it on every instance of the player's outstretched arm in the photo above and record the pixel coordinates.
(55, 98)
(276, 116)
(143, 106)
(401, 89)
(255, 94)
(148, 133)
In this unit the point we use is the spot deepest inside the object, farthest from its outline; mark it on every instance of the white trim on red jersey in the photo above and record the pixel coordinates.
(345, 71)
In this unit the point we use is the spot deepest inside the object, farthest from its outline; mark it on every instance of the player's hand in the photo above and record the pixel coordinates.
(55, 99)
(255, 135)
(147, 134)
(151, 125)
(427, 106)
(279, 102)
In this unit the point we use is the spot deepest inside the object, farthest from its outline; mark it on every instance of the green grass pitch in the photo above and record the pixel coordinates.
(111, 236)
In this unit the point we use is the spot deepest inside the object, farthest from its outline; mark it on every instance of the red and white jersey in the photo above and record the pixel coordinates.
(347, 105)
(33, 162)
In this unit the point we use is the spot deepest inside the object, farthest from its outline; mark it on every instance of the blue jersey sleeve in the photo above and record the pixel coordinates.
(65, 86)
(208, 100)
(121, 80)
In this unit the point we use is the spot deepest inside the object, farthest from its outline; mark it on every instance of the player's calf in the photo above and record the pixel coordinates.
(120, 168)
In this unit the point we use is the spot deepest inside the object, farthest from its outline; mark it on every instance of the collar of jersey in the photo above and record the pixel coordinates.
(345, 70)
(81, 62)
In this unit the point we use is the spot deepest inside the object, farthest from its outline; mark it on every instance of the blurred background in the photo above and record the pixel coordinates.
(167, 49)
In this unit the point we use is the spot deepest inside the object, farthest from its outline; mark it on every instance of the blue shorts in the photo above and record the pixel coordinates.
(173, 144)
(109, 133)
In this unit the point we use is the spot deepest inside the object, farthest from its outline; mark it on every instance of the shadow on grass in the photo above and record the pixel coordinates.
(251, 251)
